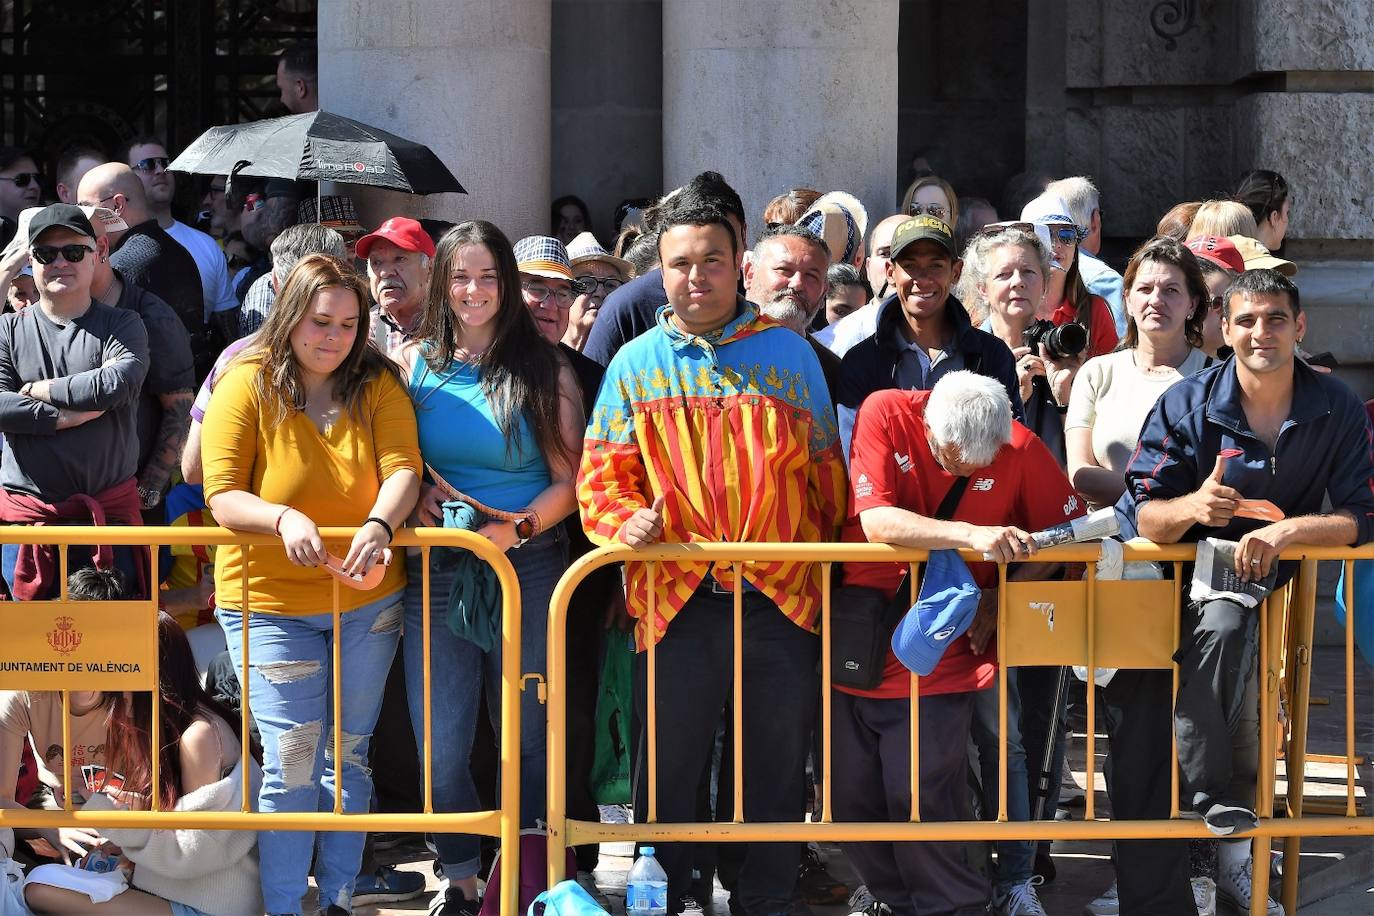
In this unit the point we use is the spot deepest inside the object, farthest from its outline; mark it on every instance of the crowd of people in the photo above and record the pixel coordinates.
(934, 378)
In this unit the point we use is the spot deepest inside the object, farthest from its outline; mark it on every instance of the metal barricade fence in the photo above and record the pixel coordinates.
(98, 645)
(1117, 624)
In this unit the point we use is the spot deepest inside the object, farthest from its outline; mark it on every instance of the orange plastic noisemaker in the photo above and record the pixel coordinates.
(365, 582)
(1261, 509)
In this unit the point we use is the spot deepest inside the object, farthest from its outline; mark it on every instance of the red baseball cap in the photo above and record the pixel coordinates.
(403, 232)
(1219, 251)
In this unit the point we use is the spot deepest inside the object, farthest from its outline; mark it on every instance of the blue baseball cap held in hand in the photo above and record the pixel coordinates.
(943, 613)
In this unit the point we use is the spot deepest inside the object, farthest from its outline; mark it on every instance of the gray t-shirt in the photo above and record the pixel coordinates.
(99, 361)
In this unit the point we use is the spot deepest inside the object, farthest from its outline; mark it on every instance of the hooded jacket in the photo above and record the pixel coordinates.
(736, 431)
(1322, 448)
(871, 364)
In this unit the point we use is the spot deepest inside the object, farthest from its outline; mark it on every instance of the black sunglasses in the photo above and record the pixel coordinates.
(23, 178)
(46, 254)
(152, 164)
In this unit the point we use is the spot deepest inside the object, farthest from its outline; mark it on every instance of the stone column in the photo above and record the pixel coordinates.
(469, 78)
(774, 94)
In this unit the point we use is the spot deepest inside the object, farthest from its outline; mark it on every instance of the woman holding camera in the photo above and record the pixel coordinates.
(1005, 271)
(1166, 304)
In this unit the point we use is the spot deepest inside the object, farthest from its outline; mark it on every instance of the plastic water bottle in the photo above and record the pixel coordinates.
(646, 890)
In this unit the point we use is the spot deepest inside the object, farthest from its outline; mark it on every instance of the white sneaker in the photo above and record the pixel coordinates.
(1205, 896)
(1233, 888)
(1021, 899)
(1106, 905)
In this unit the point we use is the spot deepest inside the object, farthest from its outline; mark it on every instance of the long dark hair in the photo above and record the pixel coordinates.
(1078, 294)
(520, 369)
(128, 723)
(279, 382)
(1263, 191)
(1167, 250)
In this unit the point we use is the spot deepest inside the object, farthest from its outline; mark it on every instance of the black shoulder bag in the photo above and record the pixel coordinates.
(862, 619)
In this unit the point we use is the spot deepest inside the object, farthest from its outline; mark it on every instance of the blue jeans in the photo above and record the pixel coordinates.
(292, 703)
(1014, 857)
(461, 674)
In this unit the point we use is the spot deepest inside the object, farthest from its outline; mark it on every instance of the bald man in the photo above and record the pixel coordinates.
(164, 405)
(148, 257)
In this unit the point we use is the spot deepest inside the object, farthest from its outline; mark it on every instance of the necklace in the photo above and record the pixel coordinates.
(1157, 370)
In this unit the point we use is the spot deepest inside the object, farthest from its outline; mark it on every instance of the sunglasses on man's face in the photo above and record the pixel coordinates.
(588, 284)
(73, 254)
(23, 179)
(152, 164)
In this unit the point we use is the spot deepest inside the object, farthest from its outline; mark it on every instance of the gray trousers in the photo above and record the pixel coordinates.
(1216, 714)
(872, 766)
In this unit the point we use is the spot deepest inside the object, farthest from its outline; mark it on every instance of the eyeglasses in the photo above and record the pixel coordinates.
(23, 179)
(214, 190)
(73, 254)
(541, 293)
(254, 202)
(152, 164)
(587, 284)
(939, 211)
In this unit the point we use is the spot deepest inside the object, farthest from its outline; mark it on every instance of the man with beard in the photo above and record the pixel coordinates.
(786, 278)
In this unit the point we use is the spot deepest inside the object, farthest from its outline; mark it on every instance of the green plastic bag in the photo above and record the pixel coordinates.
(614, 712)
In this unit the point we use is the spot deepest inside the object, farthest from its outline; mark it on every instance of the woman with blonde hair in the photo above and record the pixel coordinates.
(933, 196)
(1221, 218)
(310, 427)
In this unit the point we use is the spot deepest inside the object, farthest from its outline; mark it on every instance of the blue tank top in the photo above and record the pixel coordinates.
(460, 439)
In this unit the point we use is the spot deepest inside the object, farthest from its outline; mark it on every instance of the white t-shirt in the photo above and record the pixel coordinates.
(857, 326)
(1112, 397)
(210, 260)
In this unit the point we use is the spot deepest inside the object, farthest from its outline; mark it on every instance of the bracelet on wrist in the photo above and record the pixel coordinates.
(276, 528)
(390, 535)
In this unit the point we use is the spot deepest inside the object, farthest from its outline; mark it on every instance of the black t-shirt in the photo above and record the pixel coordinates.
(171, 366)
(151, 259)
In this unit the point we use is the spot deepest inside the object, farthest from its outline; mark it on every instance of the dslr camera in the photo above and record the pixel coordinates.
(1061, 342)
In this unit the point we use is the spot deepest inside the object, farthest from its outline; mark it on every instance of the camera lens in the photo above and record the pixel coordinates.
(1066, 340)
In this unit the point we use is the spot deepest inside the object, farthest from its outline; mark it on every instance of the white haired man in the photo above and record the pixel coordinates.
(399, 255)
(944, 468)
(1081, 197)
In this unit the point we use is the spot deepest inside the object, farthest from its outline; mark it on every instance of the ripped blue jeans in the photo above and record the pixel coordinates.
(289, 695)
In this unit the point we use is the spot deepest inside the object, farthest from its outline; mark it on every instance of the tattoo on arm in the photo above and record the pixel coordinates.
(171, 437)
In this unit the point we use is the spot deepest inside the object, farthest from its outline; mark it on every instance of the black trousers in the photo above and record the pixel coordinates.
(695, 660)
(1152, 875)
(872, 763)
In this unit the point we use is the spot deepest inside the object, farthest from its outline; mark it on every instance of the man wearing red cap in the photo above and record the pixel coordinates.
(399, 256)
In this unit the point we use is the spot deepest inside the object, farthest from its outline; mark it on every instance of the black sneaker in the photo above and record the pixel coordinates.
(815, 885)
(451, 901)
(388, 884)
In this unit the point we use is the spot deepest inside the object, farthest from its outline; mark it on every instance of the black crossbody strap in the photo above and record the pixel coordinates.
(944, 513)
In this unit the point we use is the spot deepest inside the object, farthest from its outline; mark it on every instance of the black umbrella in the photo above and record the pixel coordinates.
(318, 146)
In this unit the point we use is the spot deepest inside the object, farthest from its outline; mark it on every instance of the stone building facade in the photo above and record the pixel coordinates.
(1159, 100)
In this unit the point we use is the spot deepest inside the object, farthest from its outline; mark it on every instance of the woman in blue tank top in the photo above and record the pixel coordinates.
(500, 421)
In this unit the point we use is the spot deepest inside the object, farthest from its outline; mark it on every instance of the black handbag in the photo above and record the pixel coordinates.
(862, 619)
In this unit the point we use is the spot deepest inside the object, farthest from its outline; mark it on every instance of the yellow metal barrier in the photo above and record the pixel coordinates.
(1138, 628)
(132, 643)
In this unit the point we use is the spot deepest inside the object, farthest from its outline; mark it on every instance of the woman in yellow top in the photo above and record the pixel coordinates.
(311, 427)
